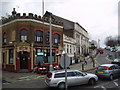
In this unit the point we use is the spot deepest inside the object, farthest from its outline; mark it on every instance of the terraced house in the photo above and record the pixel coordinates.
(25, 41)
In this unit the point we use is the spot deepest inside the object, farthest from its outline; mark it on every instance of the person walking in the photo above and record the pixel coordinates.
(85, 60)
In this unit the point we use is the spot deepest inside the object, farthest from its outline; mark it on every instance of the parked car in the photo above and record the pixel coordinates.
(74, 77)
(101, 51)
(116, 61)
(112, 49)
(108, 71)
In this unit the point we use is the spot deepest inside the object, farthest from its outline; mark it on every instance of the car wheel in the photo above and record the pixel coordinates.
(111, 77)
(92, 81)
(61, 86)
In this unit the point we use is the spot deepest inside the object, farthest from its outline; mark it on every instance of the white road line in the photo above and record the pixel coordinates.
(107, 59)
(96, 86)
(103, 87)
(116, 83)
(115, 80)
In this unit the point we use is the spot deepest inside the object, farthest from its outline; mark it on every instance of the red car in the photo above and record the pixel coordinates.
(101, 51)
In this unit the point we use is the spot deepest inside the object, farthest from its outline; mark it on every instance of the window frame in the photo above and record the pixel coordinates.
(11, 56)
(38, 36)
(48, 37)
(56, 38)
(23, 35)
(4, 38)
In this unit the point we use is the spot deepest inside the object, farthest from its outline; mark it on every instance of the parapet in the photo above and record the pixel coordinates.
(29, 16)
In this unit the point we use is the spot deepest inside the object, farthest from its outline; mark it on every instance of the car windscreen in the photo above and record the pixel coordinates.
(49, 74)
(102, 68)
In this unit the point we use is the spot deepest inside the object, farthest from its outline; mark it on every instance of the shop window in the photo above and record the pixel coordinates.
(11, 56)
(44, 57)
(23, 35)
(56, 38)
(39, 56)
(4, 38)
(39, 36)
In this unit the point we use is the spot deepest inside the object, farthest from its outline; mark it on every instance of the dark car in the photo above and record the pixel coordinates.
(116, 61)
(109, 71)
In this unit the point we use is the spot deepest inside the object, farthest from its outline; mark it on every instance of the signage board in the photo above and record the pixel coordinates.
(40, 53)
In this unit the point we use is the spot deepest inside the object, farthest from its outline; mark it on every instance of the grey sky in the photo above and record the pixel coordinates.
(98, 17)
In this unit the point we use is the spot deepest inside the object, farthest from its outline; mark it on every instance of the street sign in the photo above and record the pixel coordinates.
(65, 59)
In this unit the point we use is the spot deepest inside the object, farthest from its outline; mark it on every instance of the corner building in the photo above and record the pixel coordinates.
(25, 41)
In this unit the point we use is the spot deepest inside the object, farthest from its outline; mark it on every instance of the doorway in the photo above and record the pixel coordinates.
(23, 60)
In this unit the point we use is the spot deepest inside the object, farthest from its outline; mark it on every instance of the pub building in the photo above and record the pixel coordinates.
(25, 41)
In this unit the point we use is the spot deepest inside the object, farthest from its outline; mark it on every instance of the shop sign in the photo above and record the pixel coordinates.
(23, 48)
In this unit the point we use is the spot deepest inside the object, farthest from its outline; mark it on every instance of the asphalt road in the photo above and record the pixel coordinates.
(39, 83)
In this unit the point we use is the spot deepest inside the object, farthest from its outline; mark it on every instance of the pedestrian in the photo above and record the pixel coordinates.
(85, 60)
(39, 64)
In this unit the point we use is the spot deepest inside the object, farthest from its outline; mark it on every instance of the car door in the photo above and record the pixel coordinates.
(71, 79)
(117, 70)
(114, 70)
(80, 78)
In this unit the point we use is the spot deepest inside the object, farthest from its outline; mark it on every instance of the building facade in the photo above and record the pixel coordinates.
(82, 39)
(75, 39)
(25, 41)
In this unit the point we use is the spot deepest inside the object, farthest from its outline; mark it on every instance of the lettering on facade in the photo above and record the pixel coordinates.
(23, 48)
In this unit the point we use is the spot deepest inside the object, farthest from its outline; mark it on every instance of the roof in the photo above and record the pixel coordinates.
(67, 24)
(108, 65)
(63, 70)
(116, 60)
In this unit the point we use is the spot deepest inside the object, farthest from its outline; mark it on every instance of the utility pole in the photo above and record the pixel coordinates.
(42, 8)
(98, 43)
(51, 42)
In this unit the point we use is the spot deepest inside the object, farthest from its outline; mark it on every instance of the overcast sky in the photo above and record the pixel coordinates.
(98, 17)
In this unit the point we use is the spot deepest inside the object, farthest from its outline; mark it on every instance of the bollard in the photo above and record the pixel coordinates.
(93, 63)
(82, 66)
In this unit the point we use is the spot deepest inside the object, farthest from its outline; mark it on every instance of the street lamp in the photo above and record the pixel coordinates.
(65, 67)
(50, 18)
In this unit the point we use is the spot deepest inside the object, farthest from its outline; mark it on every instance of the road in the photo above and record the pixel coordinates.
(39, 83)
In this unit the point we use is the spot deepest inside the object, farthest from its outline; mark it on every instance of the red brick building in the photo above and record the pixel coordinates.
(25, 41)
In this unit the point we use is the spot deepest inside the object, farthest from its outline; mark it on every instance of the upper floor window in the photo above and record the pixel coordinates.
(23, 35)
(4, 38)
(56, 38)
(39, 36)
(47, 37)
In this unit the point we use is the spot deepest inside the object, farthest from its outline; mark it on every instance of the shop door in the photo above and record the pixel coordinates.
(23, 60)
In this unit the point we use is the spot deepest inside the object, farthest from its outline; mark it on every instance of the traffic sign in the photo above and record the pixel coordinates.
(65, 59)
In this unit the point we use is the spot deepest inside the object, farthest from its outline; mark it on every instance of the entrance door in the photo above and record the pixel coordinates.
(23, 60)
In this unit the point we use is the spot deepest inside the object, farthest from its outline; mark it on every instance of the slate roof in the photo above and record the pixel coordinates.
(67, 25)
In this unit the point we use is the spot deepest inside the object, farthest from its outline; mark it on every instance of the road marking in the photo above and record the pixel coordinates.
(115, 80)
(97, 62)
(96, 86)
(107, 59)
(103, 87)
(115, 83)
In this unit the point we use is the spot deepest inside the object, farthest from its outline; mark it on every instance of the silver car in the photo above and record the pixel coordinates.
(74, 77)
(108, 71)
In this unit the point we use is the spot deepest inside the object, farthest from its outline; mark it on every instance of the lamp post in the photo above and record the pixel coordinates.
(65, 67)
(50, 42)
(99, 43)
